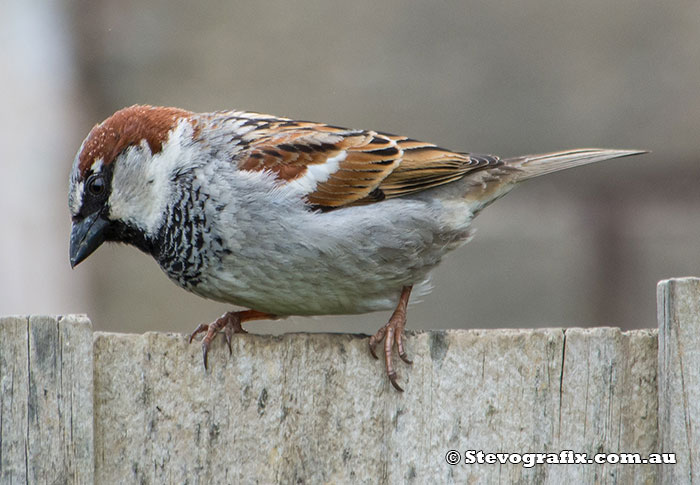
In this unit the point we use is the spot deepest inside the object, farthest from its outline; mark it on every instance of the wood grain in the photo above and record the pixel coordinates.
(315, 408)
(678, 303)
(46, 431)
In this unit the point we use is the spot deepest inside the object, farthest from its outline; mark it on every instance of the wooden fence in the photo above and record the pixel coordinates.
(79, 406)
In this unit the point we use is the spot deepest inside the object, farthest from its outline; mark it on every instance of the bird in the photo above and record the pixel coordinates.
(285, 217)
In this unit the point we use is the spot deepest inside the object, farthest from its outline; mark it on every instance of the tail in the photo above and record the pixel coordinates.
(488, 185)
(530, 166)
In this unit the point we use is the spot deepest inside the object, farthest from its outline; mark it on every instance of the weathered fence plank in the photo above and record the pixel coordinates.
(608, 404)
(678, 303)
(14, 390)
(46, 400)
(315, 408)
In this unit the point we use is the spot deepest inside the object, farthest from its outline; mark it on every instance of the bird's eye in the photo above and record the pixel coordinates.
(96, 185)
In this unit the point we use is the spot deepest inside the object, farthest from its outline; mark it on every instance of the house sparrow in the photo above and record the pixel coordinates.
(286, 217)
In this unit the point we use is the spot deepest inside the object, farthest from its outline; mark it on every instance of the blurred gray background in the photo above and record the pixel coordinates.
(580, 248)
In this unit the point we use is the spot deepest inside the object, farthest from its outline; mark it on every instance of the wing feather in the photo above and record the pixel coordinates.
(338, 167)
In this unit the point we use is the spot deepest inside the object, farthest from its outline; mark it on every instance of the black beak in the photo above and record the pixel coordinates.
(86, 236)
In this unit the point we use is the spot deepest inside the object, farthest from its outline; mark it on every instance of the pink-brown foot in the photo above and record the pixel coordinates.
(230, 323)
(392, 334)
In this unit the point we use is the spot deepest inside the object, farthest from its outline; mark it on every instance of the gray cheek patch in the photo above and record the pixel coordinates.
(75, 197)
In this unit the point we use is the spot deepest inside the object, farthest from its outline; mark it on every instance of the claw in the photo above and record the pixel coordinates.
(374, 340)
(392, 378)
(228, 333)
(205, 353)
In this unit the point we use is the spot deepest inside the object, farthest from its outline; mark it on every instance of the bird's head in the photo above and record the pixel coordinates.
(120, 180)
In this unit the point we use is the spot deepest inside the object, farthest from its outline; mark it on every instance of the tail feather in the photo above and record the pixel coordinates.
(530, 166)
(486, 186)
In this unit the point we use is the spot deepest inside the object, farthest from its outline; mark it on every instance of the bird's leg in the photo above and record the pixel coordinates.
(230, 322)
(392, 333)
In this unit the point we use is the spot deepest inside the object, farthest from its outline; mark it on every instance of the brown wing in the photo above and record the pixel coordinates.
(336, 167)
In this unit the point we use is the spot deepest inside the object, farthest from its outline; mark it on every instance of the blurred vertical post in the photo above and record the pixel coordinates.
(38, 131)
(678, 303)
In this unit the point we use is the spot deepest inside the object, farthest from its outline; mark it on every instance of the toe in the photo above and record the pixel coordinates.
(402, 351)
(202, 327)
(373, 341)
